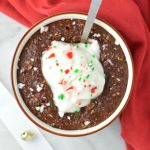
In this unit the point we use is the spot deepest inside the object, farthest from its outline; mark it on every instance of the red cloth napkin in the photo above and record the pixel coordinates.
(132, 19)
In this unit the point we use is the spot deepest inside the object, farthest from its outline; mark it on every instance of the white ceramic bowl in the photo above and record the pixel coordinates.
(43, 125)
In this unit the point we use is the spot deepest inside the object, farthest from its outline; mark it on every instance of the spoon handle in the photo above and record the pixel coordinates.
(94, 7)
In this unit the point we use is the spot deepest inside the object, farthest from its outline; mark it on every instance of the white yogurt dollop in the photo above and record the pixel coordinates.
(74, 73)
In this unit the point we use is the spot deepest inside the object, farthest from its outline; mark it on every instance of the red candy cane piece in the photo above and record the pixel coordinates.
(67, 71)
(69, 55)
(93, 90)
(51, 55)
(70, 88)
(62, 82)
(48, 48)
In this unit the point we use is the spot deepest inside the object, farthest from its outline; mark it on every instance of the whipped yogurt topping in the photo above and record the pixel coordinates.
(74, 74)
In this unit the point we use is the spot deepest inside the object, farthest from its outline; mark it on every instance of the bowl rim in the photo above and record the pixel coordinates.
(13, 83)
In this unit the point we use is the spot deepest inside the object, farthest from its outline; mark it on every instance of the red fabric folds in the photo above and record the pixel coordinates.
(132, 19)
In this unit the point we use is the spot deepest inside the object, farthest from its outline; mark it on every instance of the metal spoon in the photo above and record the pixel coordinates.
(94, 7)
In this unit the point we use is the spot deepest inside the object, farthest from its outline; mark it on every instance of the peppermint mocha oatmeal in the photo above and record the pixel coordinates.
(71, 85)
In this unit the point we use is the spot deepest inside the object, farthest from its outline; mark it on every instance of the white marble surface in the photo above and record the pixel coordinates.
(107, 139)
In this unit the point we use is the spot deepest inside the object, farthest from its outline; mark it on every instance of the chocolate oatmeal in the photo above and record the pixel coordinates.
(37, 94)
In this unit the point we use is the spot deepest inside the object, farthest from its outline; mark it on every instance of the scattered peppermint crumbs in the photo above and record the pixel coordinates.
(48, 104)
(35, 68)
(32, 59)
(21, 85)
(31, 89)
(62, 39)
(87, 123)
(118, 79)
(39, 87)
(111, 88)
(96, 35)
(22, 70)
(104, 46)
(68, 117)
(110, 62)
(40, 108)
(44, 29)
(73, 23)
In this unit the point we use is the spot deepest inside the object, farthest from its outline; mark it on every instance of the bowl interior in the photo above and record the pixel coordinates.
(33, 117)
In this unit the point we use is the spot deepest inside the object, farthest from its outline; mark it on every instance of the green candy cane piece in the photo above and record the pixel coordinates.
(54, 46)
(77, 46)
(86, 45)
(80, 79)
(92, 69)
(90, 64)
(61, 96)
(76, 70)
(87, 76)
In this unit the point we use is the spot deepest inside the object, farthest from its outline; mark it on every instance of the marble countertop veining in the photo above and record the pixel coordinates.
(107, 139)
